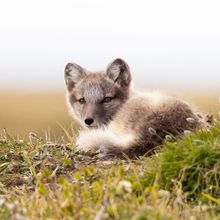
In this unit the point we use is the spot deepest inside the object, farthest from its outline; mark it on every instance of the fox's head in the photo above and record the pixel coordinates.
(94, 98)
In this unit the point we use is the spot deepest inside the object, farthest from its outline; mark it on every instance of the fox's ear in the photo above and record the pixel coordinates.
(73, 74)
(119, 72)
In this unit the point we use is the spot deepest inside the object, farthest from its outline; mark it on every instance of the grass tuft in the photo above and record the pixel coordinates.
(192, 162)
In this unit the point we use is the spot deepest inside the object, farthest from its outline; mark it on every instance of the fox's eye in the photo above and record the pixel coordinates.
(82, 101)
(107, 99)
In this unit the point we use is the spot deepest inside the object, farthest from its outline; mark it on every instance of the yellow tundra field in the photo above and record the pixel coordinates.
(40, 113)
(46, 113)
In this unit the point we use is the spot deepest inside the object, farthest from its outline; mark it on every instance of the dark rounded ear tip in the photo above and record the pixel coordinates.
(69, 64)
(68, 68)
(118, 61)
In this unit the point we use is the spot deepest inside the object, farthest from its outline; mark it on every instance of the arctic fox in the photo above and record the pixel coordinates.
(118, 120)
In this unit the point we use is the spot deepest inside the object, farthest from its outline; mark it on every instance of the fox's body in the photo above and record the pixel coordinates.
(119, 120)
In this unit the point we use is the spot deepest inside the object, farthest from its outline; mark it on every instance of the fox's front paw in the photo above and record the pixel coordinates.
(84, 147)
(86, 143)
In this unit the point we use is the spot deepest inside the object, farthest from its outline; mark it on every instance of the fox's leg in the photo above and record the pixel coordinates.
(104, 141)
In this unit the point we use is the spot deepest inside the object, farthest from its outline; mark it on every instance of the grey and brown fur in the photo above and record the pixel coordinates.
(118, 120)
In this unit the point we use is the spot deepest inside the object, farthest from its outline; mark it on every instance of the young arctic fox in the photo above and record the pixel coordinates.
(117, 119)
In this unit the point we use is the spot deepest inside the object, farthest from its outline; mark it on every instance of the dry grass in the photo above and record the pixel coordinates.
(40, 113)
(205, 102)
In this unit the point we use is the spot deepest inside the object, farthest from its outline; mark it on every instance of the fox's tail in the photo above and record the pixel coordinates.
(105, 141)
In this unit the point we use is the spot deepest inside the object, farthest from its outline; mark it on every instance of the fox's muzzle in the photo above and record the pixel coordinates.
(91, 114)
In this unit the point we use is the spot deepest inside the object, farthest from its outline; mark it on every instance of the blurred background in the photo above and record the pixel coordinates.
(173, 46)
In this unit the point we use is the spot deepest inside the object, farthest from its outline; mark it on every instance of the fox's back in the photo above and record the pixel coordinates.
(144, 114)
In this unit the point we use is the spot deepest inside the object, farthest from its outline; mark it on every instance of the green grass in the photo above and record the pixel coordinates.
(43, 180)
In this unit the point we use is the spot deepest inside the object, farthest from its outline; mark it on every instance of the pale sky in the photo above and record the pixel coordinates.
(170, 43)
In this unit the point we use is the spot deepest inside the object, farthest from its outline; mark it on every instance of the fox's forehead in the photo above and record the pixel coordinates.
(94, 87)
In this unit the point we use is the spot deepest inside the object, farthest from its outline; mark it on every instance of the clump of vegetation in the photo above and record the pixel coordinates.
(192, 162)
(43, 180)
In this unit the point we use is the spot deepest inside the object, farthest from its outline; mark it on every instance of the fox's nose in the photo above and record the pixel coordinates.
(89, 121)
